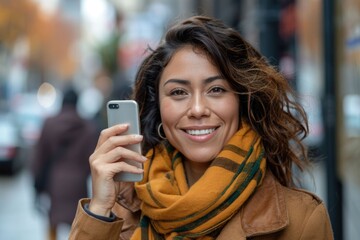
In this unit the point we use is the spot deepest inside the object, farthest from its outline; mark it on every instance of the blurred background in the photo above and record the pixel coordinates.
(96, 45)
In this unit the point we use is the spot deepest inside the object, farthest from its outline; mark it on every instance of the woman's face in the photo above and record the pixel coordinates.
(199, 110)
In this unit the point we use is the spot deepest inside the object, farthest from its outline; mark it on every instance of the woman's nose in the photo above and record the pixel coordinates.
(198, 107)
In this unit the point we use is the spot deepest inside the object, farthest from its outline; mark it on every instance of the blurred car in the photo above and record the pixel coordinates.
(29, 116)
(10, 145)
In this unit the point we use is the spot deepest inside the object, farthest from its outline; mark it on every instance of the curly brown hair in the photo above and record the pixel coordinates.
(267, 101)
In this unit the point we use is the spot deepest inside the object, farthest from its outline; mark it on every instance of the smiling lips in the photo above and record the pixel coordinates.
(200, 132)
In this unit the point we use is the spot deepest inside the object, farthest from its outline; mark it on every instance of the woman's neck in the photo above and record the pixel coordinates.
(194, 170)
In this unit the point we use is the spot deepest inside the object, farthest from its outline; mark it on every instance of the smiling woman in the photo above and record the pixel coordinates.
(199, 109)
(223, 169)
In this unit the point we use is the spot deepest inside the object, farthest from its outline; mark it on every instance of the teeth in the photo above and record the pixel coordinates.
(200, 132)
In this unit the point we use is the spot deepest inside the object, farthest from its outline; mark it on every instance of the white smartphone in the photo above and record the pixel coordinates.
(126, 111)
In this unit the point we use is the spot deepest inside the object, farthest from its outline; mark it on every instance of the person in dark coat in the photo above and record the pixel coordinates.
(63, 149)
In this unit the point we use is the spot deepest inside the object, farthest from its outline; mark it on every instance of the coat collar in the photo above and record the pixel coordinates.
(264, 212)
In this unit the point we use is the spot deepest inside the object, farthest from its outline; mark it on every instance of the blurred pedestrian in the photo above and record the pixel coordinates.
(60, 162)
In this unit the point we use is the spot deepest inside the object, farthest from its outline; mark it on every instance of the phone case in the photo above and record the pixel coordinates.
(126, 111)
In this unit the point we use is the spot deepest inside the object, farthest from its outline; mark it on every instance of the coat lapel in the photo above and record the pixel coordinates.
(265, 212)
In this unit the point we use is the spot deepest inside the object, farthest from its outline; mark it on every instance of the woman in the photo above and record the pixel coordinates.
(221, 132)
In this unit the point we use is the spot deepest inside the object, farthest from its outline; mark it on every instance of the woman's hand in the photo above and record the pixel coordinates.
(106, 161)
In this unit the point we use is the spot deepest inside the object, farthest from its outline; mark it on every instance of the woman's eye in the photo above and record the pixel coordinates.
(217, 90)
(178, 92)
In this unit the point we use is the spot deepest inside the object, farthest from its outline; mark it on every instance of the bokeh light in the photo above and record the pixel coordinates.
(46, 95)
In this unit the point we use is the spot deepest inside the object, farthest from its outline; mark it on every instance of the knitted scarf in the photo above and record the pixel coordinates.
(172, 210)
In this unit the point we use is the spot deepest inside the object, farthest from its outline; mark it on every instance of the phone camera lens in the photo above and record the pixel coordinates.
(113, 106)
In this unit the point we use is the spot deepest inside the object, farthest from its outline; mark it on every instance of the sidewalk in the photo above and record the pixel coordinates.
(19, 220)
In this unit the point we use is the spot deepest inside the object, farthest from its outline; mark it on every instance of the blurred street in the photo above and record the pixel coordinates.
(19, 220)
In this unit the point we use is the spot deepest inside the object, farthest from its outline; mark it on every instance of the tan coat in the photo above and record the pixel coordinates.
(273, 212)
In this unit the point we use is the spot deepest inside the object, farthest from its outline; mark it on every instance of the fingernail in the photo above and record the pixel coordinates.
(138, 137)
(144, 158)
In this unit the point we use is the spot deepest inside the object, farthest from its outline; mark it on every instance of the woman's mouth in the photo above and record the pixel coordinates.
(200, 132)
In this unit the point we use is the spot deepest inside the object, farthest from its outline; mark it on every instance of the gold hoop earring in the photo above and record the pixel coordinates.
(159, 131)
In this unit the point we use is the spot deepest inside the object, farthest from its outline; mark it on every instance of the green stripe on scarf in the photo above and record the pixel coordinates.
(253, 167)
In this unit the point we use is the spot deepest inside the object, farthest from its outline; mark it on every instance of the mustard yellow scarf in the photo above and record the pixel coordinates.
(172, 210)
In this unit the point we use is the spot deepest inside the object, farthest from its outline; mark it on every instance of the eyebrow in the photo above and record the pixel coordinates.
(186, 82)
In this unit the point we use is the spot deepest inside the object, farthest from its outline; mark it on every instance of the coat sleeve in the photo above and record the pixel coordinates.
(86, 227)
(318, 225)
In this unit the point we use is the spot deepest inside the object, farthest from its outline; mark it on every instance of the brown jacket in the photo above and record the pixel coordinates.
(273, 212)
